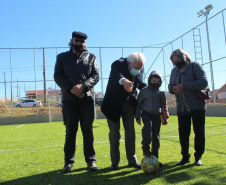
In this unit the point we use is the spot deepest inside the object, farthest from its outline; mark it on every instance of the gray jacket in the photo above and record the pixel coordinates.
(187, 99)
(151, 100)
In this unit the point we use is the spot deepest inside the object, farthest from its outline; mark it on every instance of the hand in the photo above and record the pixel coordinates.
(180, 86)
(78, 90)
(177, 89)
(128, 85)
(138, 122)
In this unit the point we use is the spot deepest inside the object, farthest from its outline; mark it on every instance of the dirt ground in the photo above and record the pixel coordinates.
(27, 111)
(4, 112)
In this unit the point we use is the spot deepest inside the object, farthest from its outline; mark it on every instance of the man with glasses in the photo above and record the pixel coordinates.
(76, 73)
(120, 101)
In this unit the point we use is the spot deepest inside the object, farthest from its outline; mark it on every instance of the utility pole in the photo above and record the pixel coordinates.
(17, 91)
(5, 88)
(24, 90)
(19, 94)
(11, 77)
(44, 77)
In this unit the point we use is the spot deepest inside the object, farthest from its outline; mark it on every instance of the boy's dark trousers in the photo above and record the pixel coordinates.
(151, 133)
(198, 119)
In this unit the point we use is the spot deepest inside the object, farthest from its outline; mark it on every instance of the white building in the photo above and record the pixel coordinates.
(221, 92)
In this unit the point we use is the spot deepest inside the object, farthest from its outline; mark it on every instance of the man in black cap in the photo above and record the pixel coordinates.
(76, 73)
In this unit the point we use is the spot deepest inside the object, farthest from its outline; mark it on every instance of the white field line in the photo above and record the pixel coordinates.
(63, 145)
(21, 125)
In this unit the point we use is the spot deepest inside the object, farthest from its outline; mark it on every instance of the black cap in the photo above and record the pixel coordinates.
(79, 35)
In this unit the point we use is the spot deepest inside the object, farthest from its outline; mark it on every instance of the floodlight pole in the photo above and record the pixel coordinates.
(210, 57)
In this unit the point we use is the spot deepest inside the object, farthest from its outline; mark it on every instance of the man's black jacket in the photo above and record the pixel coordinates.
(115, 96)
(71, 70)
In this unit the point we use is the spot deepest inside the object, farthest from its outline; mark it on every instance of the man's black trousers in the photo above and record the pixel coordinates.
(73, 113)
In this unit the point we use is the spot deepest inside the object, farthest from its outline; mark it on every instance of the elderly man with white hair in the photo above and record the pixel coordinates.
(120, 101)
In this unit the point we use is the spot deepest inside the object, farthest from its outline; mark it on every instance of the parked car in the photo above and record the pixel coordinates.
(28, 103)
(58, 104)
(98, 101)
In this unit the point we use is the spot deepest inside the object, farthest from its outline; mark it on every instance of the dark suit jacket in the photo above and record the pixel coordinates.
(115, 96)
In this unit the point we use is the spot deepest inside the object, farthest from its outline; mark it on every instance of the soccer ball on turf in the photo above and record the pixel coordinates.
(149, 164)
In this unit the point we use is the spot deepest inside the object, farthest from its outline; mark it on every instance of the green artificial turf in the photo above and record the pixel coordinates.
(33, 154)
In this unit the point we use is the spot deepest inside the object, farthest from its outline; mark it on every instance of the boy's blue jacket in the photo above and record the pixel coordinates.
(151, 100)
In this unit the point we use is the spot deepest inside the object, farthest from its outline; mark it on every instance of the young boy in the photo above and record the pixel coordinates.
(151, 104)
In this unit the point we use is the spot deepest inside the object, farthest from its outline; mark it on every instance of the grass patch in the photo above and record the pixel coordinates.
(33, 154)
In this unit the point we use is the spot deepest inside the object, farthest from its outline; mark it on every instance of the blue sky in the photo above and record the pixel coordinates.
(118, 23)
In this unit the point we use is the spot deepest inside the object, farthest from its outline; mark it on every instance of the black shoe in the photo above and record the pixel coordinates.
(198, 162)
(67, 168)
(114, 167)
(160, 164)
(135, 165)
(92, 166)
(183, 161)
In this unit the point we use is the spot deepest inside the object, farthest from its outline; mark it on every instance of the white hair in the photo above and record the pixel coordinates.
(136, 57)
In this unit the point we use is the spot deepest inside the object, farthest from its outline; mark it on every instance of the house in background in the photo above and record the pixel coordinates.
(220, 95)
(31, 94)
(222, 92)
(40, 93)
(53, 92)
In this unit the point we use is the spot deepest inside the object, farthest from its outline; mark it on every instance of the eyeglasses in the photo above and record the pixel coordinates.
(77, 40)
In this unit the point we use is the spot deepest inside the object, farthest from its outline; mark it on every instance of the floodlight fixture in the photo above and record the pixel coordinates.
(206, 11)
(199, 13)
(208, 7)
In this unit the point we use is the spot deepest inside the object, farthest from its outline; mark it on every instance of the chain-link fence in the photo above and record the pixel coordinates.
(28, 72)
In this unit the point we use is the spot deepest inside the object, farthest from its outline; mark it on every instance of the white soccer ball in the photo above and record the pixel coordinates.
(150, 164)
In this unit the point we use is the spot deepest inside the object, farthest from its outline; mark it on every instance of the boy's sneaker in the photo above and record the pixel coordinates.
(183, 161)
(135, 165)
(114, 167)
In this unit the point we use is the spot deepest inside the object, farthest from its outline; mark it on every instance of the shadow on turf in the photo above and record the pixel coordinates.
(169, 173)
